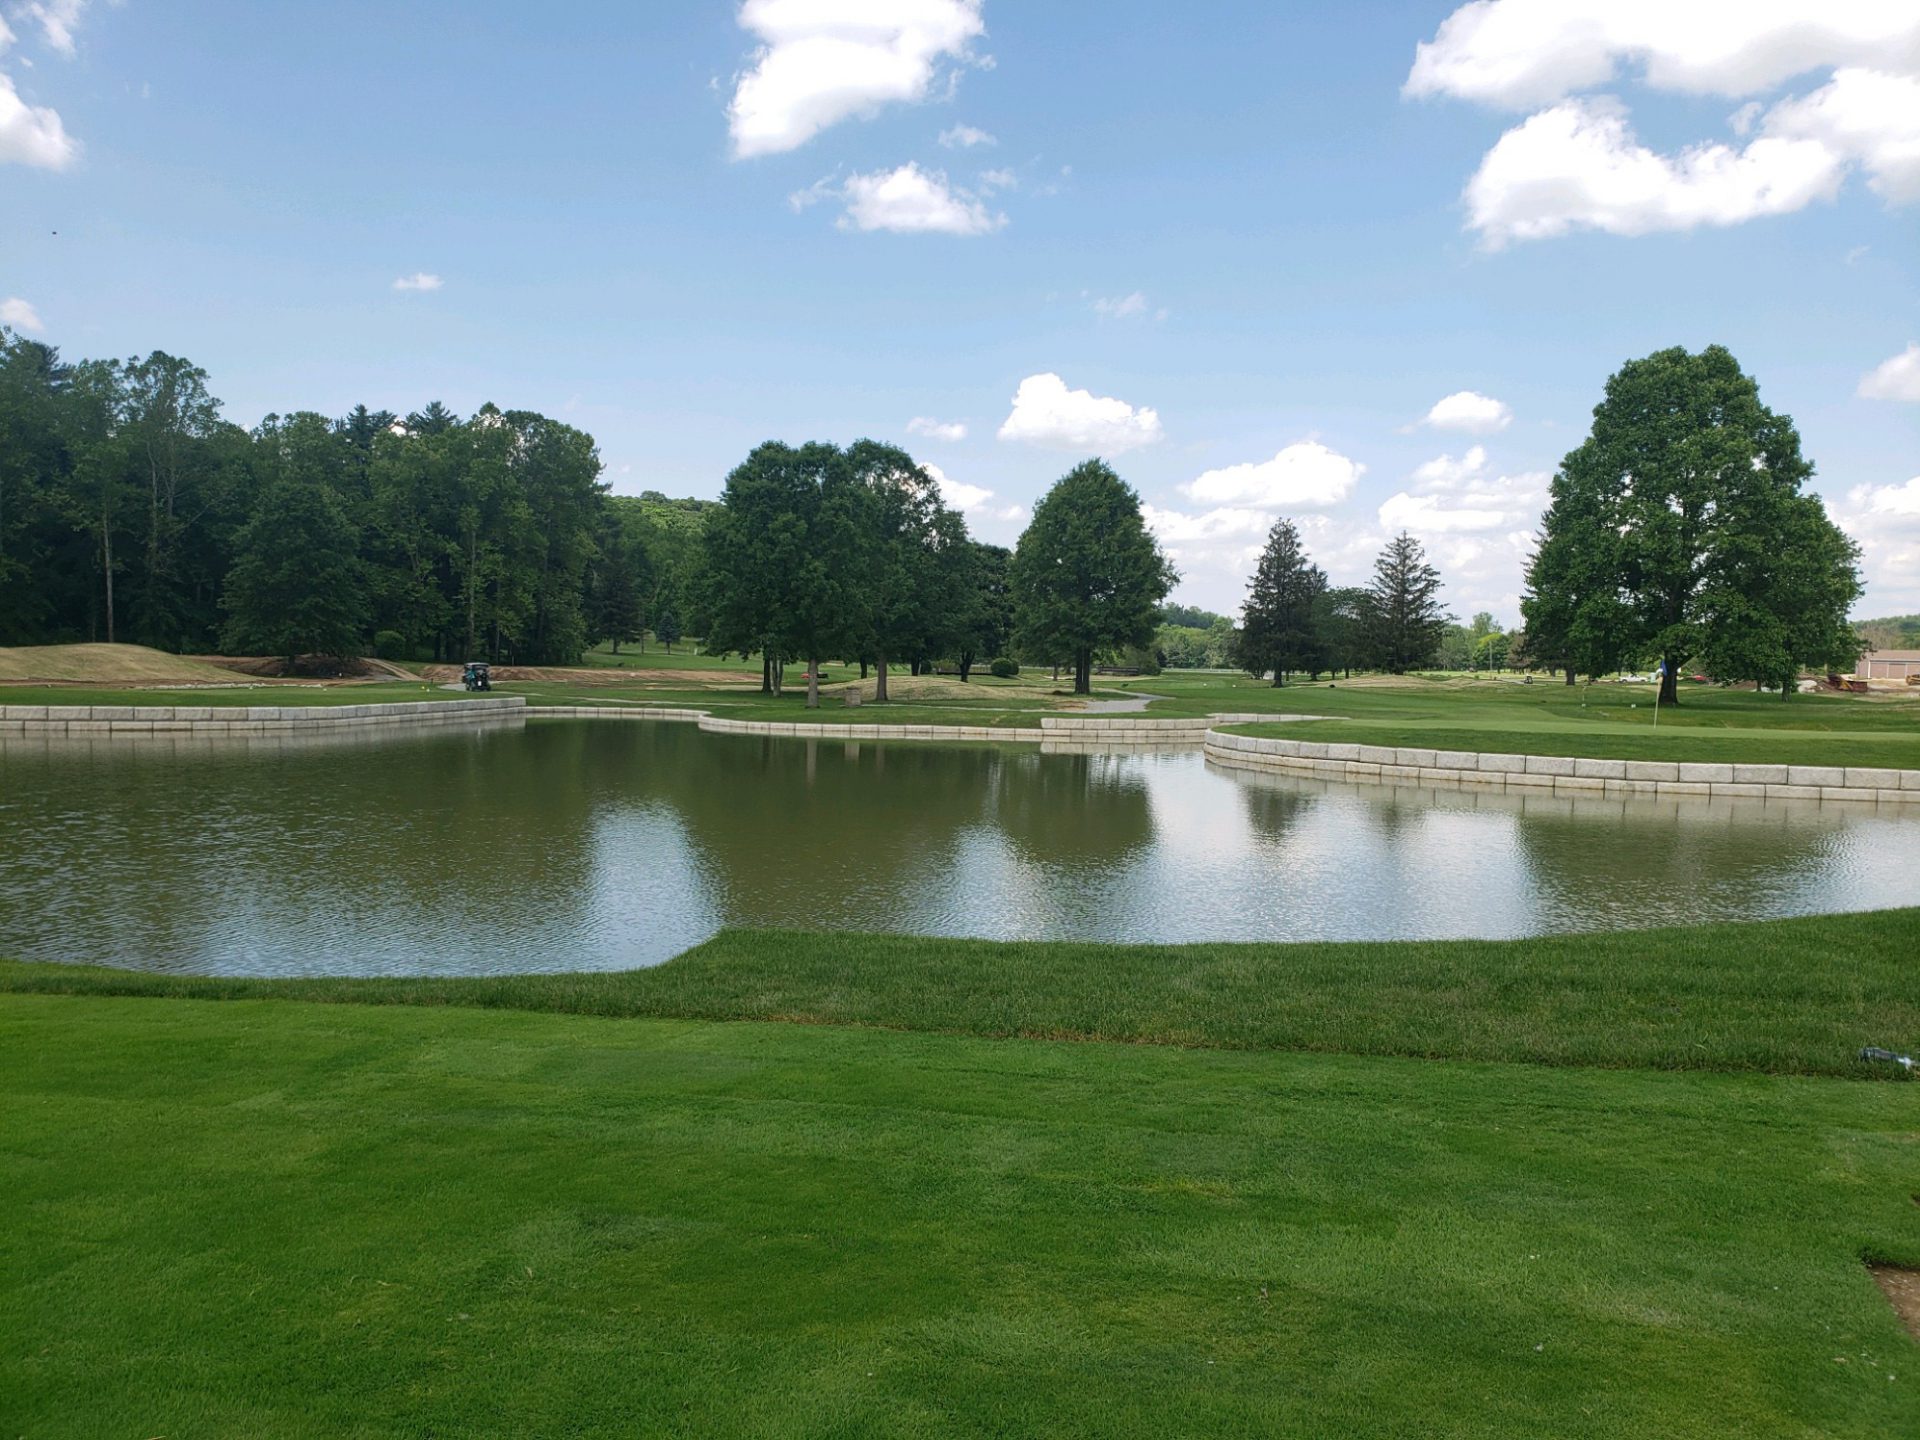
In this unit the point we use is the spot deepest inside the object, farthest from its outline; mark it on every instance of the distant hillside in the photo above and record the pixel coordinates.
(1896, 632)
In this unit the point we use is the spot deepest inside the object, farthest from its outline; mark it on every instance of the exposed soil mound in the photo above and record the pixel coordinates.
(104, 665)
(307, 667)
(1902, 1289)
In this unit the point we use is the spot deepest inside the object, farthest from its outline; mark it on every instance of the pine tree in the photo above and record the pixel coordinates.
(1279, 628)
(1406, 618)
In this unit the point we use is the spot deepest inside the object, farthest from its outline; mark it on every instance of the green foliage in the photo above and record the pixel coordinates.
(1278, 626)
(1404, 618)
(1191, 617)
(390, 645)
(1679, 529)
(1004, 669)
(1895, 632)
(1087, 576)
(296, 587)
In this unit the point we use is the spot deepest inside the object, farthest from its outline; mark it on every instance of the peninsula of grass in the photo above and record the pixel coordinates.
(277, 1218)
(1797, 996)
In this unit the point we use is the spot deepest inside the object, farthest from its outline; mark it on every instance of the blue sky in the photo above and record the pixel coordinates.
(1283, 230)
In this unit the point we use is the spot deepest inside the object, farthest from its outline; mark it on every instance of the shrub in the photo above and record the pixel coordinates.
(390, 645)
(1003, 669)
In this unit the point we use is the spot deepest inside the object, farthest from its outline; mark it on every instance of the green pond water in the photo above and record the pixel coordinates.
(579, 845)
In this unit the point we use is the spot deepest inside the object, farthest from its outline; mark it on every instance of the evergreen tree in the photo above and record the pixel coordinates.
(1087, 575)
(1406, 620)
(1278, 629)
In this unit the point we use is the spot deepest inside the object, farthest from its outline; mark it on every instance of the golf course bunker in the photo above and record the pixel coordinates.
(1901, 1286)
(563, 845)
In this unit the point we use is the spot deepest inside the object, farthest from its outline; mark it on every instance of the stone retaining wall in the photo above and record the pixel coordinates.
(116, 720)
(1564, 775)
(792, 729)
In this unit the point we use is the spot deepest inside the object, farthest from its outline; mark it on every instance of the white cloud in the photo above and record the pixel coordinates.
(1897, 500)
(909, 201)
(1885, 521)
(1444, 472)
(1896, 378)
(824, 61)
(951, 431)
(32, 134)
(1470, 411)
(17, 314)
(1123, 307)
(957, 494)
(419, 280)
(965, 137)
(1304, 475)
(999, 180)
(1521, 53)
(1046, 412)
(1578, 164)
(1864, 116)
(57, 20)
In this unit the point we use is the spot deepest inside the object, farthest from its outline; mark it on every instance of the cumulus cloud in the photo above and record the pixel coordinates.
(1445, 472)
(974, 501)
(419, 280)
(1305, 475)
(951, 431)
(1885, 521)
(17, 314)
(1577, 164)
(1896, 378)
(32, 134)
(1122, 307)
(1470, 411)
(906, 201)
(965, 137)
(1046, 412)
(824, 61)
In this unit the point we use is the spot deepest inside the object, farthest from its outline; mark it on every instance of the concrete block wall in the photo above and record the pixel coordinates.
(1564, 775)
(238, 720)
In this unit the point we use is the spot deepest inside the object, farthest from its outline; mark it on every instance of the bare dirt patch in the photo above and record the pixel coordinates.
(306, 667)
(1902, 1289)
(101, 665)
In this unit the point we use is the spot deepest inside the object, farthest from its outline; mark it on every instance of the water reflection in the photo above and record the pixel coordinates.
(563, 845)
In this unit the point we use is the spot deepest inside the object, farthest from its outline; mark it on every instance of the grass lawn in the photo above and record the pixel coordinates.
(1782, 996)
(1600, 721)
(278, 1218)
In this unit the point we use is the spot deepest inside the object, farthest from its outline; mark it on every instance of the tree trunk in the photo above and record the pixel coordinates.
(880, 677)
(1083, 673)
(1572, 679)
(813, 684)
(863, 669)
(766, 673)
(966, 666)
(1669, 682)
(106, 541)
(1279, 678)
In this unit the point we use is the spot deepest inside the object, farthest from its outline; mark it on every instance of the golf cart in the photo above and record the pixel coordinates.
(477, 676)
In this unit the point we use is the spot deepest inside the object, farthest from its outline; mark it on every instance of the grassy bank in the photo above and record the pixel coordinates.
(284, 692)
(1602, 722)
(1785, 996)
(321, 1221)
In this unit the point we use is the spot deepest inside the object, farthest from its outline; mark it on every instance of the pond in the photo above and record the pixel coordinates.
(580, 845)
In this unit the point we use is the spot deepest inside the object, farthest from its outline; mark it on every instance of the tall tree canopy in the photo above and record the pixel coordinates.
(1087, 575)
(1679, 529)
(1280, 626)
(1404, 614)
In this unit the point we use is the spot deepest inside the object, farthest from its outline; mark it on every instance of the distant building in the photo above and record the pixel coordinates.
(1888, 665)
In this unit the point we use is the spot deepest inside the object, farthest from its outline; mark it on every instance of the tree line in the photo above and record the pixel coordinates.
(1678, 534)
(130, 510)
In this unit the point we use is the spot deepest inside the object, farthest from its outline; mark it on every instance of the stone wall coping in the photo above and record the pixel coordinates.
(1566, 774)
